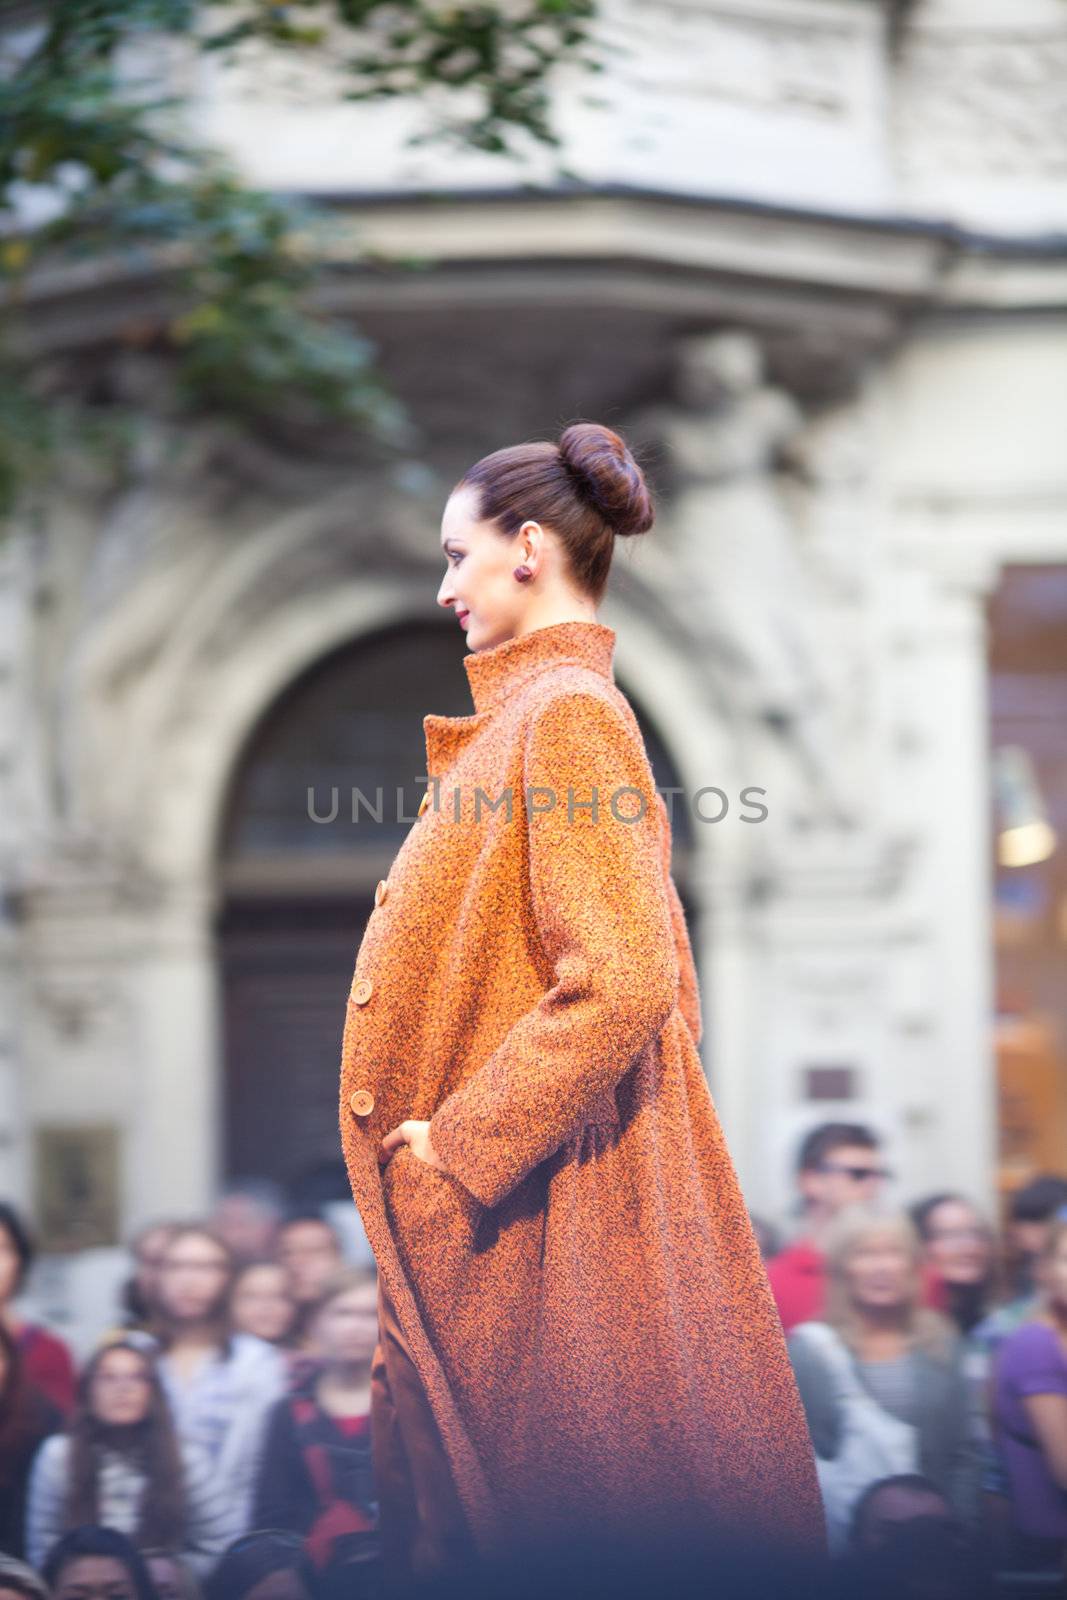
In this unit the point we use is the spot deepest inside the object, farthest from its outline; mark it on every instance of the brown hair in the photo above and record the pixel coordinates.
(927, 1330)
(343, 1281)
(151, 1443)
(588, 488)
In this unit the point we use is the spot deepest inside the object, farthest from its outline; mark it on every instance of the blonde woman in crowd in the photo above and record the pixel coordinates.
(880, 1376)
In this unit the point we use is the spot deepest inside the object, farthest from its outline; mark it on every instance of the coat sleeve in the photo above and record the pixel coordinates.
(600, 910)
(688, 988)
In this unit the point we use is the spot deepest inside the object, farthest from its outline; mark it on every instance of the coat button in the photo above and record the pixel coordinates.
(362, 1102)
(362, 991)
(424, 802)
(380, 892)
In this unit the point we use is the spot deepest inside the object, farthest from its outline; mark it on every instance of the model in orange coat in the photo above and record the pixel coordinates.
(526, 1122)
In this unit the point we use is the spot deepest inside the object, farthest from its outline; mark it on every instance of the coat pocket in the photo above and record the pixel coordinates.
(406, 1174)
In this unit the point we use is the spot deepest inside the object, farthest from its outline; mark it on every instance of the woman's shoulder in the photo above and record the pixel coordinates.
(34, 1338)
(813, 1333)
(580, 711)
(574, 687)
(1034, 1341)
(52, 1453)
(258, 1363)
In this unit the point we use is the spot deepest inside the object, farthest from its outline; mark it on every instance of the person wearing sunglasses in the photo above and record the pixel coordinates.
(838, 1166)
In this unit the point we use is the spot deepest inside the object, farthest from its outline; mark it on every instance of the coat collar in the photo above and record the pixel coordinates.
(498, 671)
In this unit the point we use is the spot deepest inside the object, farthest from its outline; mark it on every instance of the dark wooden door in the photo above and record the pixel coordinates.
(286, 971)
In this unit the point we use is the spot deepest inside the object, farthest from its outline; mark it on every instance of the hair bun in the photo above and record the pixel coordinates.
(607, 477)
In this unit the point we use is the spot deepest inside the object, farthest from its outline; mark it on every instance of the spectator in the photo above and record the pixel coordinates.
(220, 1384)
(247, 1216)
(148, 1248)
(958, 1258)
(173, 1578)
(310, 1252)
(905, 1543)
(838, 1166)
(1031, 1210)
(317, 1475)
(262, 1304)
(1030, 1414)
(121, 1466)
(266, 1565)
(881, 1379)
(26, 1417)
(889, 1502)
(20, 1582)
(46, 1361)
(91, 1561)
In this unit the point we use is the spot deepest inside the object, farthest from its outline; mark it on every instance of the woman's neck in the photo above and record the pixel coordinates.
(343, 1385)
(1054, 1312)
(883, 1331)
(195, 1338)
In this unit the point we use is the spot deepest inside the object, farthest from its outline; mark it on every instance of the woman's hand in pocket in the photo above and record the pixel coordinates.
(417, 1135)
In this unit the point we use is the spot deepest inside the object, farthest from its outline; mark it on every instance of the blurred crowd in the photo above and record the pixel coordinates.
(216, 1442)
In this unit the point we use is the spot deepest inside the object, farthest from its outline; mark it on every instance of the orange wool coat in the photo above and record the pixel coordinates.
(580, 1288)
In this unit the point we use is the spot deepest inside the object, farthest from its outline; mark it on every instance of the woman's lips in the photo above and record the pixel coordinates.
(463, 615)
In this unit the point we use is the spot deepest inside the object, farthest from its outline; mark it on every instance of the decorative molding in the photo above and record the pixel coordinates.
(990, 102)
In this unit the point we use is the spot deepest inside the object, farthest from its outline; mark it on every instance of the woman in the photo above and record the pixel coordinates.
(121, 1466)
(220, 1384)
(959, 1258)
(1030, 1413)
(317, 1476)
(46, 1361)
(26, 1417)
(262, 1304)
(882, 1378)
(90, 1561)
(573, 1303)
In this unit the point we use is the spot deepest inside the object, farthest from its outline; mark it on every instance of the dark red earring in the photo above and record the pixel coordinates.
(523, 573)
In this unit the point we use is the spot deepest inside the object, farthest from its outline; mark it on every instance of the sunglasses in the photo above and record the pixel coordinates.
(857, 1174)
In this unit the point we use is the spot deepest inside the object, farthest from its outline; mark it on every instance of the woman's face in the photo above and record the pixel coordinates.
(879, 1273)
(193, 1278)
(346, 1329)
(261, 1303)
(94, 1578)
(10, 1267)
(121, 1389)
(958, 1243)
(1052, 1271)
(479, 584)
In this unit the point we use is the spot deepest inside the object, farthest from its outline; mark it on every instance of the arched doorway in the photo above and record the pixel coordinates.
(298, 862)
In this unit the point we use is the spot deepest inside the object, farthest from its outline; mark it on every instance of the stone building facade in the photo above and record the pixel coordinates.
(811, 257)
